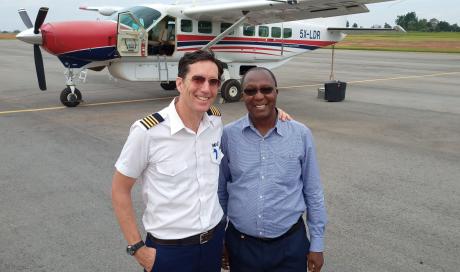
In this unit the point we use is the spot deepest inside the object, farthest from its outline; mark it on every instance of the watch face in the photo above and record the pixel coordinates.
(130, 250)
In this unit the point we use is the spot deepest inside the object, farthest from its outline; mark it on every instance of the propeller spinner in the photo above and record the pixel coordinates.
(33, 36)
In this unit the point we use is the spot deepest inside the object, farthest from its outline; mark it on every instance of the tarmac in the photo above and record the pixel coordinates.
(389, 156)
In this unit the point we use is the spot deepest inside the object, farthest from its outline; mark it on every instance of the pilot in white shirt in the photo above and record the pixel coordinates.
(175, 154)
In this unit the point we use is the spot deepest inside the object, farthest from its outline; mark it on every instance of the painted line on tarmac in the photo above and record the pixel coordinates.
(169, 97)
(85, 105)
(375, 80)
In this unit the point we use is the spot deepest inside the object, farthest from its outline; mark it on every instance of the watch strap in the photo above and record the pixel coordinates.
(131, 249)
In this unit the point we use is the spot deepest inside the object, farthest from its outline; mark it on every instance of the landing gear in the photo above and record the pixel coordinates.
(168, 86)
(231, 90)
(69, 98)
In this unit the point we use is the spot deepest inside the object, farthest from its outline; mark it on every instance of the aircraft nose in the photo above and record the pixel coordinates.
(29, 36)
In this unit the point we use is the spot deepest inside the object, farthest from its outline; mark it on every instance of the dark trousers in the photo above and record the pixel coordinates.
(190, 258)
(249, 254)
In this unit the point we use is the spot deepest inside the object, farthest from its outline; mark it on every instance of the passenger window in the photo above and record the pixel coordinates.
(263, 31)
(186, 26)
(224, 26)
(249, 30)
(287, 33)
(205, 27)
(276, 32)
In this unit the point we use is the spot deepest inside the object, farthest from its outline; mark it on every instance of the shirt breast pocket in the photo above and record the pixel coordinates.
(171, 168)
(288, 161)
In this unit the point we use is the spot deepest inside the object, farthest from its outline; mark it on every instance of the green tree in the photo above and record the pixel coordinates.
(386, 25)
(422, 25)
(455, 28)
(355, 25)
(348, 24)
(444, 26)
(408, 21)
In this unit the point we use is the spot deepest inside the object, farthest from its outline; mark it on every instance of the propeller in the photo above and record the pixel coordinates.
(41, 15)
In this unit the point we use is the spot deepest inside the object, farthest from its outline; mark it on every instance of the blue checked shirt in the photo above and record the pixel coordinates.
(267, 182)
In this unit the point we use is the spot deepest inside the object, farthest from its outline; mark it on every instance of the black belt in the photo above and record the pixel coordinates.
(192, 240)
(294, 228)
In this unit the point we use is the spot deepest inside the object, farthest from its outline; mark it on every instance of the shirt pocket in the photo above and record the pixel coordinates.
(171, 168)
(288, 164)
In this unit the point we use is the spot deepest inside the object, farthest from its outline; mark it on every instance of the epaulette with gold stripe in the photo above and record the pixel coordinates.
(213, 110)
(152, 120)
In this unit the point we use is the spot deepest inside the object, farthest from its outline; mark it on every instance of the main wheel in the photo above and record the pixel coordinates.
(231, 90)
(70, 99)
(168, 86)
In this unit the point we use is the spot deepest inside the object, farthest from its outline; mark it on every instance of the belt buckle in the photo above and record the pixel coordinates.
(205, 237)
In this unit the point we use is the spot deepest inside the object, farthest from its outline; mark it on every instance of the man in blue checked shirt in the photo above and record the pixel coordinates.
(268, 178)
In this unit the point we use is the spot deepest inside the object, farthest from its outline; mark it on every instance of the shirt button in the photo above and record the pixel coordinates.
(263, 158)
(261, 197)
(263, 177)
(260, 216)
(260, 233)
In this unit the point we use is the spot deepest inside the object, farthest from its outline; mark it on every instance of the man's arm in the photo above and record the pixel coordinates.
(224, 175)
(123, 208)
(314, 201)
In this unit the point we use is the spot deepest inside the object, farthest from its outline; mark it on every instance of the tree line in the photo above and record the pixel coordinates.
(410, 22)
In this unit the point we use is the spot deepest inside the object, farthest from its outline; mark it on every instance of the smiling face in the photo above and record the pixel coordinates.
(198, 89)
(262, 105)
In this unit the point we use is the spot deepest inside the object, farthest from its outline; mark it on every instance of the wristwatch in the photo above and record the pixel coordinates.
(131, 249)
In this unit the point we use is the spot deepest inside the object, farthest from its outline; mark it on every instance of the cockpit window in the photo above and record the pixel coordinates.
(146, 16)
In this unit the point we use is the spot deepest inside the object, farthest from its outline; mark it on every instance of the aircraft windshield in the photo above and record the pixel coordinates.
(146, 16)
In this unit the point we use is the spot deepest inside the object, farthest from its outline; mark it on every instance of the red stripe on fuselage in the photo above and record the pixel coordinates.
(228, 51)
(188, 38)
(63, 37)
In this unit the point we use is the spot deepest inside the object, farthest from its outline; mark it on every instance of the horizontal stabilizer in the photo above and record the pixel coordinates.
(360, 30)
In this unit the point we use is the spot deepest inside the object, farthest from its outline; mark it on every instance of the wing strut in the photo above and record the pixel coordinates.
(222, 35)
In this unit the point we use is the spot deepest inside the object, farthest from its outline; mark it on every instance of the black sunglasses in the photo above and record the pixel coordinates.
(200, 80)
(253, 91)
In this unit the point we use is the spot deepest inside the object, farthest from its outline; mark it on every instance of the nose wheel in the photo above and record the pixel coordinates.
(231, 90)
(69, 98)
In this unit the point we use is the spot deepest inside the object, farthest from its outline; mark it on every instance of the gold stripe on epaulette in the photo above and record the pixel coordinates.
(213, 110)
(151, 120)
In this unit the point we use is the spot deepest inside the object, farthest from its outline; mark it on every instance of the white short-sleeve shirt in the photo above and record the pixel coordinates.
(178, 170)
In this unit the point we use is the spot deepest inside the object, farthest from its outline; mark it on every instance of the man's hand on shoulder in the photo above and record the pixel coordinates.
(146, 256)
(315, 261)
(283, 116)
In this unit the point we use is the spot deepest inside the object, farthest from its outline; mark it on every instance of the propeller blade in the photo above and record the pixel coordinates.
(25, 18)
(39, 67)
(40, 19)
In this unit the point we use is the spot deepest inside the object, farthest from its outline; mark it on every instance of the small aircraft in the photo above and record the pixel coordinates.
(145, 42)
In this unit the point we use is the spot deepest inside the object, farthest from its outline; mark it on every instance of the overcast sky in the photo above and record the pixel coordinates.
(60, 10)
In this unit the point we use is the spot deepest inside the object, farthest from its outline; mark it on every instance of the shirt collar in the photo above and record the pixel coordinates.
(176, 123)
(280, 126)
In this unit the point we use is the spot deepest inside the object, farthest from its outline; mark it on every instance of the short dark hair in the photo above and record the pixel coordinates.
(254, 69)
(196, 56)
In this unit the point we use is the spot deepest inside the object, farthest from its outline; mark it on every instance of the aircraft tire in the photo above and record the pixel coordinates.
(168, 86)
(66, 97)
(231, 90)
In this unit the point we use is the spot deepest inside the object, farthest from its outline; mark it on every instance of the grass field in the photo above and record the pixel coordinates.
(444, 42)
(7, 36)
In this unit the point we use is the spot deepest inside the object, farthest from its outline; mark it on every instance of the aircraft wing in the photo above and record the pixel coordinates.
(274, 11)
(106, 10)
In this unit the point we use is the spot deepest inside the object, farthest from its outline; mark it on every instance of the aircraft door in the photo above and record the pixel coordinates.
(162, 37)
(132, 37)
